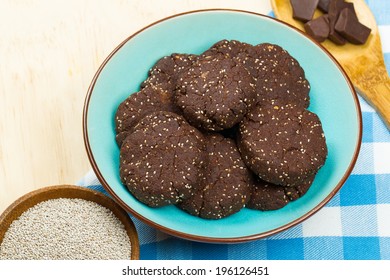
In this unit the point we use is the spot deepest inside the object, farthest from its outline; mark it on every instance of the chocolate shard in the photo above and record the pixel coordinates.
(336, 6)
(323, 5)
(318, 28)
(334, 9)
(350, 28)
(335, 37)
(303, 10)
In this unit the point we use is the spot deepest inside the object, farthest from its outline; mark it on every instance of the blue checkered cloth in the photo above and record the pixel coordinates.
(355, 224)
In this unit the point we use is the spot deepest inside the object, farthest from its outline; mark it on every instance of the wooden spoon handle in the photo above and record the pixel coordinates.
(374, 87)
(379, 97)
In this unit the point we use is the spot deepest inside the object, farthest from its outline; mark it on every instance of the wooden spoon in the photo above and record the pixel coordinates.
(364, 64)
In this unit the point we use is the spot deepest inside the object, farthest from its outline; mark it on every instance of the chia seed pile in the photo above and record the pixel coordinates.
(66, 229)
(216, 132)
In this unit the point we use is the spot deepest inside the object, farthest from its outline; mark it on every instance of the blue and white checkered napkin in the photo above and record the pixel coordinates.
(355, 224)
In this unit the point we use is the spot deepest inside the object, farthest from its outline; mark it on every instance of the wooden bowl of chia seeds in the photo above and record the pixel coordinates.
(67, 222)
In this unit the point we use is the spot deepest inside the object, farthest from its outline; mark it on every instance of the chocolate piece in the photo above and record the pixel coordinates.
(335, 37)
(349, 26)
(303, 9)
(318, 28)
(323, 5)
(335, 7)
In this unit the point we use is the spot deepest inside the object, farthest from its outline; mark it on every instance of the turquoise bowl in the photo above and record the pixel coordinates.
(332, 95)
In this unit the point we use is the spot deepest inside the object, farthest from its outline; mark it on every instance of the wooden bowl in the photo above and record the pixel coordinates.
(27, 201)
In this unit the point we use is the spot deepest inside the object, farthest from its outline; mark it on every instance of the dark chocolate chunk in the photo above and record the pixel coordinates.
(335, 7)
(303, 9)
(335, 37)
(350, 28)
(318, 28)
(323, 5)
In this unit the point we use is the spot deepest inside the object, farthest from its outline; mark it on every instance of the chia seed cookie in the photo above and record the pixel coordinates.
(282, 144)
(295, 192)
(232, 49)
(279, 76)
(162, 159)
(137, 105)
(267, 196)
(226, 184)
(163, 73)
(214, 93)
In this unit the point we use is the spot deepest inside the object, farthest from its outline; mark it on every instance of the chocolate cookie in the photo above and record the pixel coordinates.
(226, 183)
(137, 105)
(282, 144)
(267, 196)
(162, 159)
(163, 73)
(279, 76)
(231, 49)
(295, 192)
(214, 93)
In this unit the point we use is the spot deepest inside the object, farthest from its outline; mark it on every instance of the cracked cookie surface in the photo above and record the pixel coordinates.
(162, 159)
(226, 184)
(282, 144)
(267, 196)
(163, 73)
(214, 93)
(279, 76)
(228, 48)
(138, 105)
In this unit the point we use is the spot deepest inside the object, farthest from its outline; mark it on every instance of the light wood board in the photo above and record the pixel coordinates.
(49, 52)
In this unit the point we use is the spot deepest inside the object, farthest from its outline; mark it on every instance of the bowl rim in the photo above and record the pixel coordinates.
(206, 239)
(30, 199)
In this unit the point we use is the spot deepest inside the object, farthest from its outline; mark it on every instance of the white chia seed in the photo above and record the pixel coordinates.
(66, 229)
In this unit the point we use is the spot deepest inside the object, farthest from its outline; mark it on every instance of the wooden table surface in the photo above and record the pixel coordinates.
(49, 52)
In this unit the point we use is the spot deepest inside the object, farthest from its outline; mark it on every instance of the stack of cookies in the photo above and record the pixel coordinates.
(216, 132)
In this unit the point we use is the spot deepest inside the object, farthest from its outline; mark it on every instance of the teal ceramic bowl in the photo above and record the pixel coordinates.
(332, 98)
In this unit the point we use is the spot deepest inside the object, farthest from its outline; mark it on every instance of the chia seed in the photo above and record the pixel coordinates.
(66, 229)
